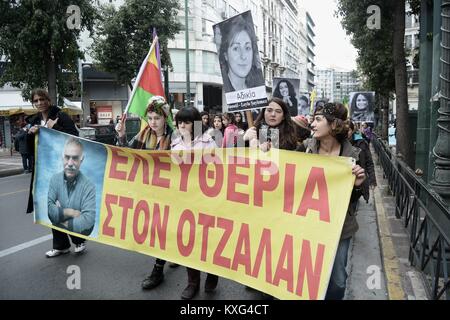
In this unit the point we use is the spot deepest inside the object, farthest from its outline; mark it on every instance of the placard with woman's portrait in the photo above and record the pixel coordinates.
(243, 80)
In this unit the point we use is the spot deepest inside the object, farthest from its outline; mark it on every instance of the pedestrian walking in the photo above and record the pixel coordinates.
(21, 141)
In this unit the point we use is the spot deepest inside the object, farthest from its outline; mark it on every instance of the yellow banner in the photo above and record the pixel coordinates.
(270, 220)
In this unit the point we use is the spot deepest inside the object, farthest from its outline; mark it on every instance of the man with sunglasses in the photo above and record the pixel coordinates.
(71, 201)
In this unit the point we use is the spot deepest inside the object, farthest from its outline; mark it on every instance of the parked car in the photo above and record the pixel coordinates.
(106, 133)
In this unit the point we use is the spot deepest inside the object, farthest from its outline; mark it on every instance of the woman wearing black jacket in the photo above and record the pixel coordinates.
(51, 117)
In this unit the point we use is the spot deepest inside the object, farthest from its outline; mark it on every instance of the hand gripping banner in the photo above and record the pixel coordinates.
(271, 221)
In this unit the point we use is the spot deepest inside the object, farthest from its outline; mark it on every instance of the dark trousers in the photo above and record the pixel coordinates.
(27, 161)
(194, 277)
(61, 240)
(337, 284)
(160, 262)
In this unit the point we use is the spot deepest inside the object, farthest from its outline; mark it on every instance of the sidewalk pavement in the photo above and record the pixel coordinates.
(403, 281)
(10, 164)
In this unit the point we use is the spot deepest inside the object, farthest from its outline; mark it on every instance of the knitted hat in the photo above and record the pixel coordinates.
(159, 104)
(301, 121)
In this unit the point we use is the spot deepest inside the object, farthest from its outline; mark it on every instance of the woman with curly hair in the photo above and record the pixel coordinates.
(330, 131)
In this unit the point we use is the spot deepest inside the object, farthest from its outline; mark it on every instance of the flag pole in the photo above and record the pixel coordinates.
(138, 78)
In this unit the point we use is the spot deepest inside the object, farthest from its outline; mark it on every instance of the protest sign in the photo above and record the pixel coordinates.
(270, 222)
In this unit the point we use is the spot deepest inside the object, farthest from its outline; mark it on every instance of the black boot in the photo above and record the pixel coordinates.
(154, 279)
(193, 284)
(211, 282)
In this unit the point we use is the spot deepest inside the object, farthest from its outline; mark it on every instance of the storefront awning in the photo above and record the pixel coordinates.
(72, 107)
(11, 102)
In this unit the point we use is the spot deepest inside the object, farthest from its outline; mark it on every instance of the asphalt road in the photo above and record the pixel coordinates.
(106, 272)
(111, 273)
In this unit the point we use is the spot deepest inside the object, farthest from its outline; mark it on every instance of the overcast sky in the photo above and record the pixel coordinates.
(333, 47)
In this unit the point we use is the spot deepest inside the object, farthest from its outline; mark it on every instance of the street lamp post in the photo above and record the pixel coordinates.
(188, 80)
(441, 150)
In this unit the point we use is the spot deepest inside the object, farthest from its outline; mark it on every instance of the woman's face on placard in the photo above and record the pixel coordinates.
(361, 102)
(284, 89)
(240, 54)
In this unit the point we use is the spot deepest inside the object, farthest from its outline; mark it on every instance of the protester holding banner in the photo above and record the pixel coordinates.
(238, 54)
(191, 132)
(285, 90)
(156, 135)
(330, 129)
(189, 139)
(273, 128)
(231, 132)
(51, 117)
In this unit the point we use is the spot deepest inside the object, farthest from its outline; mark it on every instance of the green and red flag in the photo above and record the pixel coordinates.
(148, 82)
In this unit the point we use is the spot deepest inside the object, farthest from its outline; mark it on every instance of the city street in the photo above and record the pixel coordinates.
(112, 273)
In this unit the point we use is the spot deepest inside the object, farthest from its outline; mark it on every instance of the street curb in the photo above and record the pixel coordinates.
(10, 172)
(388, 254)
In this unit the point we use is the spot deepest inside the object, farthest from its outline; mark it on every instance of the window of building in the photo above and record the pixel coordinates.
(408, 42)
(408, 20)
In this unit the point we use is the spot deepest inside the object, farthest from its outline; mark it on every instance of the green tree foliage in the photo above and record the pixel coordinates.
(124, 35)
(39, 47)
(374, 47)
(379, 59)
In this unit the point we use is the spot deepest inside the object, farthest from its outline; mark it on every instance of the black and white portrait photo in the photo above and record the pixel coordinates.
(362, 106)
(240, 65)
(287, 89)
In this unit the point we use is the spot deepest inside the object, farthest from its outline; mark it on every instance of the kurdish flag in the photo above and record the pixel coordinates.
(148, 82)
